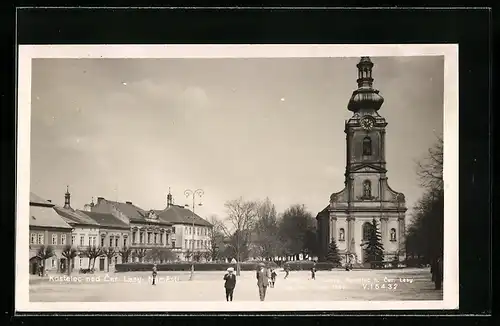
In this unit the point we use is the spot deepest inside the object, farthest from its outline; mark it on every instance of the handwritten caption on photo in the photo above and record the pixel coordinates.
(110, 279)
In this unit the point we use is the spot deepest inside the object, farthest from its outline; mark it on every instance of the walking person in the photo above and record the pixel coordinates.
(313, 272)
(154, 274)
(262, 280)
(287, 271)
(437, 273)
(230, 283)
(273, 277)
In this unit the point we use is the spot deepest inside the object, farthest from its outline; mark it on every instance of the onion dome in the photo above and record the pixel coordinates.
(365, 97)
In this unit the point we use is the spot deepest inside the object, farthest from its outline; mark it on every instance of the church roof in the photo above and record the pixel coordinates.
(365, 97)
(323, 212)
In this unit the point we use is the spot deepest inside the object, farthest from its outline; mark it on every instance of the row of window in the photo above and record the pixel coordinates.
(198, 244)
(39, 238)
(366, 233)
(113, 241)
(197, 231)
(53, 262)
(151, 238)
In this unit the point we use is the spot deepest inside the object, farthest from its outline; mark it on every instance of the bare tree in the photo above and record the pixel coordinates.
(140, 253)
(92, 253)
(425, 235)
(297, 232)
(167, 255)
(216, 239)
(69, 253)
(430, 169)
(125, 253)
(265, 241)
(241, 217)
(110, 253)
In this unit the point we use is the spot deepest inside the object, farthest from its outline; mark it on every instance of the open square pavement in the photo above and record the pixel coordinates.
(336, 285)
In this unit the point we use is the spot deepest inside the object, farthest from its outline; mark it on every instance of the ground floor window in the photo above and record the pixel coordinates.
(53, 263)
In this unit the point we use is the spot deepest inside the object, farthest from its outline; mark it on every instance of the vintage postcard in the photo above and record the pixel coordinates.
(173, 178)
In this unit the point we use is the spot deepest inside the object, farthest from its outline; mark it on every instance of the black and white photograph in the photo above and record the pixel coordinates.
(237, 177)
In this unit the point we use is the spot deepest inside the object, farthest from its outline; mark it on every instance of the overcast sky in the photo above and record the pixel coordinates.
(128, 129)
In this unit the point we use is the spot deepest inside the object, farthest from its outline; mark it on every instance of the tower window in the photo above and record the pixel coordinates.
(367, 146)
(367, 189)
(341, 235)
(393, 234)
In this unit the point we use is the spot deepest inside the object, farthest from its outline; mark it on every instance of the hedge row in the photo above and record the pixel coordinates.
(178, 267)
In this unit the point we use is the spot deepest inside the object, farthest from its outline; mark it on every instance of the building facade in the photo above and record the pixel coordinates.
(147, 229)
(192, 233)
(46, 229)
(85, 231)
(367, 194)
(114, 236)
(174, 227)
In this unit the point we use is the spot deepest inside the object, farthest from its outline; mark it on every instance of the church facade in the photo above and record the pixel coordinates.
(366, 194)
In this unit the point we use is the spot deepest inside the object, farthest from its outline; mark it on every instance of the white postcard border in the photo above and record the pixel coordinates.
(450, 136)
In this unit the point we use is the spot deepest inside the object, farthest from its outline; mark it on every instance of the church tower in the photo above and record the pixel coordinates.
(67, 199)
(366, 195)
(169, 199)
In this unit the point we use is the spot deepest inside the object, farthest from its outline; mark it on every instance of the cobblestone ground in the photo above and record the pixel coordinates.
(338, 285)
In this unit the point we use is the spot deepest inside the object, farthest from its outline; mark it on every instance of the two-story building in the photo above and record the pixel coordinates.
(114, 236)
(192, 233)
(85, 231)
(147, 230)
(49, 231)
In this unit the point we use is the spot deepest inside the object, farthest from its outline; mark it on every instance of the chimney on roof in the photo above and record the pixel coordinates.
(67, 198)
(100, 200)
(128, 202)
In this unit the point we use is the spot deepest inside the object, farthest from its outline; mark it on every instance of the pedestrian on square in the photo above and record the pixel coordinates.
(437, 273)
(273, 277)
(230, 283)
(313, 272)
(154, 274)
(262, 280)
(287, 271)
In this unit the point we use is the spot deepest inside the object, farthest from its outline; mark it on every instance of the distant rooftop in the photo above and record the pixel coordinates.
(41, 216)
(179, 215)
(74, 217)
(173, 214)
(37, 200)
(106, 219)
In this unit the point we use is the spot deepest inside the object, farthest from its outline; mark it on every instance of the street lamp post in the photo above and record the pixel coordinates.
(190, 193)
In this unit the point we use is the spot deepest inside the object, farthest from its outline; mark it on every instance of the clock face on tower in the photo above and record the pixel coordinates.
(367, 123)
